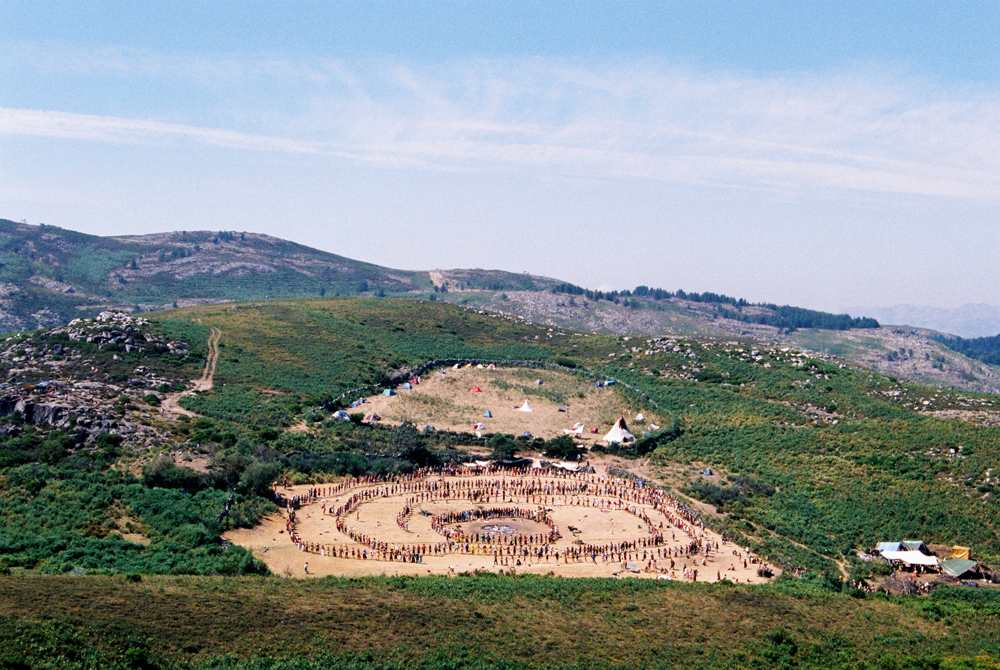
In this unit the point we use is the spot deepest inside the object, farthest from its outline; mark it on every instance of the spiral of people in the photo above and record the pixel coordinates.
(478, 517)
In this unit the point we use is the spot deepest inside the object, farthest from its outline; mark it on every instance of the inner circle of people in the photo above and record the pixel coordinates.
(507, 519)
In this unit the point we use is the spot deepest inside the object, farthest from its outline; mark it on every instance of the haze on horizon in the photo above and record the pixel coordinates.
(835, 155)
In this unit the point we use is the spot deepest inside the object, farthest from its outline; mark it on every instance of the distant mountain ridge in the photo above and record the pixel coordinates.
(972, 320)
(50, 276)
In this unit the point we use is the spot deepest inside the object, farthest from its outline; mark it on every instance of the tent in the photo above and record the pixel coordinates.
(475, 389)
(961, 552)
(910, 557)
(478, 426)
(428, 429)
(526, 434)
(340, 415)
(957, 567)
(491, 367)
(488, 414)
(577, 430)
(639, 417)
(619, 433)
(372, 417)
(407, 385)
(388, 392)
(525, 407)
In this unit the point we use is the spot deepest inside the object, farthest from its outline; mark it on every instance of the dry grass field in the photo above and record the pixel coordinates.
(444, 400)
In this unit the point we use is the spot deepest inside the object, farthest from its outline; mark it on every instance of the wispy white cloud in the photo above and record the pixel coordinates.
(640, 120)
(67, 125)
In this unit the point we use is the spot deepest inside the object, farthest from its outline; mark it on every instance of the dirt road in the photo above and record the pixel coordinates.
(171, 404)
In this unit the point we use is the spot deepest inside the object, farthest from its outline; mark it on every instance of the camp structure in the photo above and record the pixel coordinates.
(475, 389)
(491, 367)
(905, 545)
(959, 567)
(907, 552)
(639, 417)
(388, 392)
(525, 407)
(371, 418)
(577, 430)
(911, 557)
(407, 386)
(619, 433)
(961, 552)
(478, 426)
(340, 415)
(487, 414)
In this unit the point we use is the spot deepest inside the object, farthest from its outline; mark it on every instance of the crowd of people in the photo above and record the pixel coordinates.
(659, 512)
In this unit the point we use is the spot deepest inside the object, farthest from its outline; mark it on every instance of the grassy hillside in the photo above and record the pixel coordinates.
(481, 622)
(838, 458)
(812, 460)
(50, 275)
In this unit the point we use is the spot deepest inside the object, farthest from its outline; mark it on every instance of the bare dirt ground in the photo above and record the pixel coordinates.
(271, 542)
(444, 399)
(170, 404)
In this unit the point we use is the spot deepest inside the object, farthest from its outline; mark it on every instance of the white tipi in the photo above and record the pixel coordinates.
(619, 433)
(525, 407)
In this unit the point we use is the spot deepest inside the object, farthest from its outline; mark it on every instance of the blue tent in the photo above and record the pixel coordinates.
(388, 392)
(408, 386)
(488, 414)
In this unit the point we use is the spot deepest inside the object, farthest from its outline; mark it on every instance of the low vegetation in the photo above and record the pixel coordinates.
(810, 461)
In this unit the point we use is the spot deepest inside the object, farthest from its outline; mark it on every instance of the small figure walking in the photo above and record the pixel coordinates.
(305, 568)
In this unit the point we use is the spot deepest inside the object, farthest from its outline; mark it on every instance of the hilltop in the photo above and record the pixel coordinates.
(52, 276)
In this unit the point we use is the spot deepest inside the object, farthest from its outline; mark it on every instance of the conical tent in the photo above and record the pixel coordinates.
(525, 407)
(619, 433)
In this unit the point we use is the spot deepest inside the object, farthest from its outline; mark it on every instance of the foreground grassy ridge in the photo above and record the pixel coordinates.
(478, 622)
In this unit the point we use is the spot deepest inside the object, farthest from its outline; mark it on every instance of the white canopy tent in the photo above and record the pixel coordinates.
(911, 557)
(619, 433)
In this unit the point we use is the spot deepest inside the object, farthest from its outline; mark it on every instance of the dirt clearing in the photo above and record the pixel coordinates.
(446, 400)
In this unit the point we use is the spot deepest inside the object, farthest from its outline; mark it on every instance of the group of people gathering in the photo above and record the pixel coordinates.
(653, 506)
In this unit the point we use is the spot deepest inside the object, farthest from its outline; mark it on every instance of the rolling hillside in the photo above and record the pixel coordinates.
(812, 460)
(50, 276)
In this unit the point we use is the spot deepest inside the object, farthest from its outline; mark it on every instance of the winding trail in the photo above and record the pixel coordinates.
(170, 403)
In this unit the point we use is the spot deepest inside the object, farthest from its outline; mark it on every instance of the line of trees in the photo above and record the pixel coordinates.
(780, 316)
(985, 349)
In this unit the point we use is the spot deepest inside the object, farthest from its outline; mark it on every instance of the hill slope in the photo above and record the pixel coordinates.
(49, 276)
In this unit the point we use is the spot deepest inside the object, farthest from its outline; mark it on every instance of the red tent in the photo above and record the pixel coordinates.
(475, 389)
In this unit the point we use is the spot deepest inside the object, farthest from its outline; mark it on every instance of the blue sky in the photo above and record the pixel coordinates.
(825, 154)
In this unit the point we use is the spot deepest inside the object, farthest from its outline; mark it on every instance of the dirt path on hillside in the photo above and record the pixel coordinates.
(171, 403)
